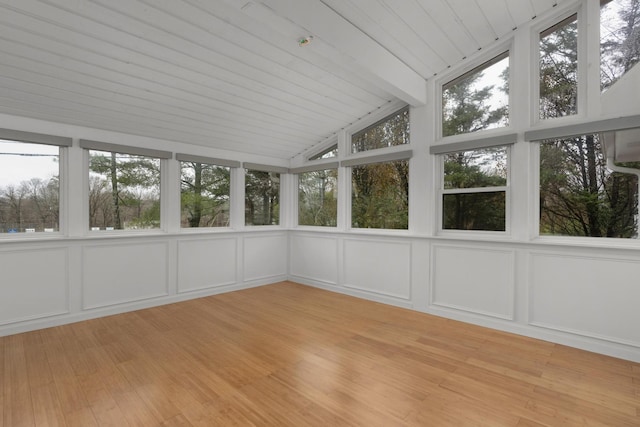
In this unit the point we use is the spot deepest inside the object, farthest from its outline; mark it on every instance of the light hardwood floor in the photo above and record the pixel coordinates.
(291, 355)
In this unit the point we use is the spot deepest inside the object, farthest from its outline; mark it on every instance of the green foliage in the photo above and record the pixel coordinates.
(205, 190)
(317, 198)
(262, 198)
(391, 131)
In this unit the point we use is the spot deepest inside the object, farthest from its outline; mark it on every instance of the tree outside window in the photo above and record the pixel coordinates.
(204, 198)
(29, 187)
(388, 132)
(262, 197)
(317, 198)
(474, 189)
(124, 191)
(619, 39)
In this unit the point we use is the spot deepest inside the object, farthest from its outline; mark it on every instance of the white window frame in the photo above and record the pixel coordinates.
(313, 168)
(282, 188)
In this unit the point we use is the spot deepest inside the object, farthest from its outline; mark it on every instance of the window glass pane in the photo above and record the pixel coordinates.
(380, 195)
(476, 168)
(579, 196)
(619, 39)
(317, 198)
(389, 132)
(204, 199)
(29, 187)
(477, 100)
(124, 191)
(474, 211)
(262, 198)
(559, 69)
(326, 154)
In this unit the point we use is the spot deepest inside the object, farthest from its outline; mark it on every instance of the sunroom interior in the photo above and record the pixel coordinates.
(477, 161)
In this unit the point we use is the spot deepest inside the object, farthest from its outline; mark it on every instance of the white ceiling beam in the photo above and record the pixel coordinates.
(374, 62)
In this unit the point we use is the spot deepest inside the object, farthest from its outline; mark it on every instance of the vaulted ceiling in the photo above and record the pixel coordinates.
(231, 74)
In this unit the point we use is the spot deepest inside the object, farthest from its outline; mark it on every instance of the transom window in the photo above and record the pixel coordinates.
(619, 39)
(391, 131)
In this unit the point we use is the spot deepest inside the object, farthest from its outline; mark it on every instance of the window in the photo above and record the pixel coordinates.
(559, 69)
(478, 99)
(388, 132)
(619, 39)
(29, 187)
(474, 189)
(262, 197)
(204, 194)
(579, 196)
(317, 197)
(327, 153)
(380, 195)
(124, 186)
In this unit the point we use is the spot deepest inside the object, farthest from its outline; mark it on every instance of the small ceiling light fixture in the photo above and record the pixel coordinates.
(305, 41)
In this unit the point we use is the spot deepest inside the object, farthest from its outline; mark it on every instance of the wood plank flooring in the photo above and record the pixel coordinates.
(291, 355)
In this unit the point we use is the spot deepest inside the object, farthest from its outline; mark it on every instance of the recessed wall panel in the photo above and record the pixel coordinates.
(480, 280)
(34, 284)
(265, 257)
(206, 263)
(378, 266)
(315, 258)
(121, 273)
(592, 296)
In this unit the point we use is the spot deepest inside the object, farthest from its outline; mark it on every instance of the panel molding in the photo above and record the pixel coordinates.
(336, 242)
(182, 242)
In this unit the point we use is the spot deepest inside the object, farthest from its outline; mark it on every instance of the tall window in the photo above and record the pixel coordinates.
(478, 99)
(204, 194)
(388, 132)
(579, 196)
(262, 197)
(619, 39)
(317, 197)
(559, 69)
(124, 191)
(29, 187)
(474, 189)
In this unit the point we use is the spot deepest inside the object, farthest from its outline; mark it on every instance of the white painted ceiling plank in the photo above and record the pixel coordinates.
(474, 21)
(498, 16)
(376, 61)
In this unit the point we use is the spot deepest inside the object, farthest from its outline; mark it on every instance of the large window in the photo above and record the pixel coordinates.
(579, 196)
(474, 189)
(204, 193)
(29, 187)
(318, 197)
(619, 39)
(391, 131)
(262, 197)
(124, 191)
(559, 69)
(478, 99)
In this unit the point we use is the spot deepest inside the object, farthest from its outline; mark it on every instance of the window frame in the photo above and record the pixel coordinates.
(63, 144)
(282, 171)
(314, 168)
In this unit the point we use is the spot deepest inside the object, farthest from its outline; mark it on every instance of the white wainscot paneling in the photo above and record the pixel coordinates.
(265, 257)
(475, 279)
(315, 258)
(121, 273)
(206, 263)
(381, 267)
(34, 284)
(592, 296)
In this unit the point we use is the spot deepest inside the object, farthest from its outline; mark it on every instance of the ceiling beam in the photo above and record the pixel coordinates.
(374, 63)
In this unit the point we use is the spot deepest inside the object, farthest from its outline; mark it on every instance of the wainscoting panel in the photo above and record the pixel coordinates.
(121, 273)
(476, 279)
(592, 296)
(315, 258)
(379, 266)
(35, 284)
(206, 264)
(265, 257)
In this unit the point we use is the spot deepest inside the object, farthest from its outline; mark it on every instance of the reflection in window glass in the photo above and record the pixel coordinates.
(559, 69)
(619, 39)
(204, 198)
(317, 198)
(388, 132)
(29, 187)
(474, 189)
(579, 196)
(124, 191)
(262, 198)
(474, 211)
(478, 99)
(380, 195)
